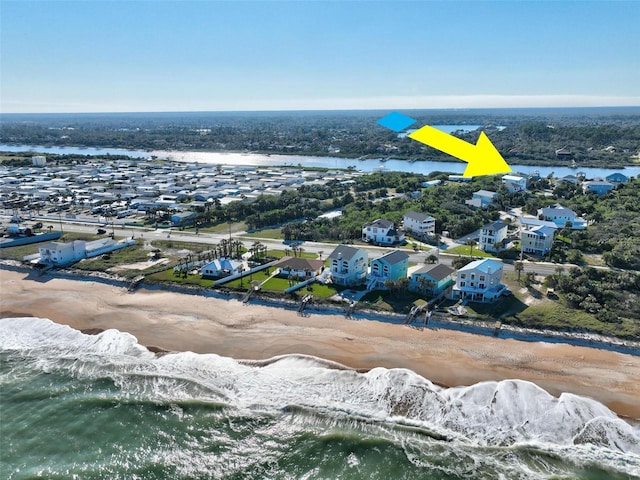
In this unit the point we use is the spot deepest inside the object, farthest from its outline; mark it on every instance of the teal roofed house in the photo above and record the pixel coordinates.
(431, 279)
(390, 266)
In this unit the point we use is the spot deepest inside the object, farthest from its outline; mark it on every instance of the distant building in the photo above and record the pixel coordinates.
(492, 234)
(599, 187)
(617, 177)
(419, 223)
(459, 178)
(348, 265)
(382, 232)
(431, 183)
(439, 277)
(39, 161)
(481, 199)
(183, 218)
(391, 266)
(514, 183)
(563, 153)
(537, 240)
(568, 179)
(58, 253)
(560, 215)
(479, 281)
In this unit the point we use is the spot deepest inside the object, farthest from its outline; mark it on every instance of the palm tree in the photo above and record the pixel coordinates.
(519, 267)
(425, 284)
(471, 242)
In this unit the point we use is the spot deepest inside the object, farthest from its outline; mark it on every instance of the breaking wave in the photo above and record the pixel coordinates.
(505, 414)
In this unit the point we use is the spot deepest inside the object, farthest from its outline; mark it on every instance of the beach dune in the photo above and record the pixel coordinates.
(179, 322)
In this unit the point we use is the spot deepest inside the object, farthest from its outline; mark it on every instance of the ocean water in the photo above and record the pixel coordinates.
(76, 406)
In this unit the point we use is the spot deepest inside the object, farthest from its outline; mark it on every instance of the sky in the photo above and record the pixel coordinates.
(127, 56)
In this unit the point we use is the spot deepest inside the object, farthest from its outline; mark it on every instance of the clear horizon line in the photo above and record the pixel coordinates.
(439, 102)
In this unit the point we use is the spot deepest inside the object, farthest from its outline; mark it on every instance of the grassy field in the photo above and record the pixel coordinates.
(466, 250)
(18, 253)
(225, 227)
(124, 256)
(168, 276)
(391, 302)
(170, 244)
(274, 233)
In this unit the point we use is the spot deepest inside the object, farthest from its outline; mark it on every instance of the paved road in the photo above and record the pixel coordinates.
(417, 257)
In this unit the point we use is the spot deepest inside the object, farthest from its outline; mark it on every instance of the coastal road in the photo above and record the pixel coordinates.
(416, 257)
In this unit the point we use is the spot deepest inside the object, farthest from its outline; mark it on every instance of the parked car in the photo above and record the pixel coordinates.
(37, 225)
(101, 231)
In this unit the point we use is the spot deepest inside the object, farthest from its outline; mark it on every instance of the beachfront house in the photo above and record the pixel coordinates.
(481, 199)
(431, 279)
(479, 281)
(419, 224)
(514, 183)
(560, 215)
(381, 232)
(58, 253)
(537, 240)
(299, 268)
(63, 254)
(348, 265)
(390, 266)
(492, 236)
(220, 267)
(599, 187)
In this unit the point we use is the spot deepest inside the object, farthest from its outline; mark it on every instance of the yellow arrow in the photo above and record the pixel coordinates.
(482, 158)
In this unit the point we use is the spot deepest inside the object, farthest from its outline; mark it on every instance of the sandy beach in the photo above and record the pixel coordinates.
(179, 322)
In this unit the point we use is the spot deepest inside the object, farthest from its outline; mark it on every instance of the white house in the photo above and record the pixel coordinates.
(348, 265)
(58, 253)
(419, 223)
(514, 183)
(39, 161)
(561, 215)
(381, 232)
(481, 199)
(479, 281)
(492, 234)
(537, 240)
(220, 267)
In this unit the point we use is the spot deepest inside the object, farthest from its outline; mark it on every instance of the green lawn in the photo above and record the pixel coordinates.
(274, 233)
(124, 256)
(280, 254)
(466, 250)
(194, 247)
(168, 276)
(18, 253)
(391, 302)
(224, 227)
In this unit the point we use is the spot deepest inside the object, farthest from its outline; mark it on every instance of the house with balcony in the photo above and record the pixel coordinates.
(382, 232)
(419, 224)
(431, 279)
(479, 281)
(560, 215)
(492, 236)
(390, 266)
(514, 183)
(348, 265)
(481, 199)
(537, 240)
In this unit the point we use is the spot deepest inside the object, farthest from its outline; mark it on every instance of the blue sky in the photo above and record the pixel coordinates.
(59, 56)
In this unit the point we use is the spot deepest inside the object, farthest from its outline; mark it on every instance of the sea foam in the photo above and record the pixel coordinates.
(492, 414)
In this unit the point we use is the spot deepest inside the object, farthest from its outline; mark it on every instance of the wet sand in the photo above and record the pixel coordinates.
(178, 322)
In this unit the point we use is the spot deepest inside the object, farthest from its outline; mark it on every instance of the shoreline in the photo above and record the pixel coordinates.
(172, 321)
(475, 327)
